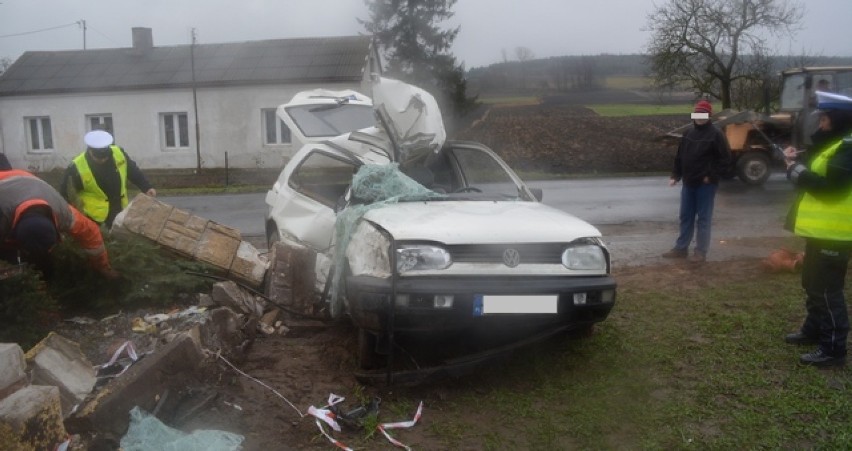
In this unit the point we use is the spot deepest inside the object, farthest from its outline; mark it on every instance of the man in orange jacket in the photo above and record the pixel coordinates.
(33, 216)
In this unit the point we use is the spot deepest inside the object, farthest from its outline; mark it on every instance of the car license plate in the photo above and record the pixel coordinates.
(514, 304)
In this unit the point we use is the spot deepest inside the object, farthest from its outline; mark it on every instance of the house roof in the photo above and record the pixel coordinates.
(327, 59)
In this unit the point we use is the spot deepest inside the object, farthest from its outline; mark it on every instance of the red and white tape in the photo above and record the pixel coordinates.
(324, 415)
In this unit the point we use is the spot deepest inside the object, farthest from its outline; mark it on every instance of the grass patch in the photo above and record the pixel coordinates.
(628, 82)
(698, 362)
(629, 109)
(514, 100)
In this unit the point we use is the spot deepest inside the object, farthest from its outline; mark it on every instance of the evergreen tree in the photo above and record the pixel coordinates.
(417, 50)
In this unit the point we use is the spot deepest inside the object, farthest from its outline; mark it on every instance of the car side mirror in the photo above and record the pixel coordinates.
(537, 193)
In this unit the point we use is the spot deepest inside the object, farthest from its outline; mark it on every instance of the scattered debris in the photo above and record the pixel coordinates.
(330, 415)
(59, 362)
(31, 418)
(783, 260)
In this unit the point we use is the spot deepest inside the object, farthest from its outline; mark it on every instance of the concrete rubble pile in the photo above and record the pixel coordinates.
(53, 390)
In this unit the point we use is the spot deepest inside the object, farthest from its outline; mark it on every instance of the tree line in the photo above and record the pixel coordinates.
(584, 72)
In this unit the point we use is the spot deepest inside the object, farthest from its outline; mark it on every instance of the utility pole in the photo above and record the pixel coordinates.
(82, 24)
(195, 104)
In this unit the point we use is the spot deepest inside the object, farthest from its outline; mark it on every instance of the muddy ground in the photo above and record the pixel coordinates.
(309, 362)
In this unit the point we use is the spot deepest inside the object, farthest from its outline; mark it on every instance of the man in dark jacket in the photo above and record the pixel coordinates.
(822, 215)
(703, 157)
(33, 216)
(99, 178)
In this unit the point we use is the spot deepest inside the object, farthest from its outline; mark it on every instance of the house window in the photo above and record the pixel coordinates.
(275, 131)
(174, 130)
(40, 134)
(100, 122)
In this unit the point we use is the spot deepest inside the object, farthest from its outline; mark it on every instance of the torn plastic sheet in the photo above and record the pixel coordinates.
(373, 186)
(146, 433)
(327, 415)
(115, 367)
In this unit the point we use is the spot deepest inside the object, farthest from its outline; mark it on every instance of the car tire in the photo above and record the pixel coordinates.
(368, 358)
(753, 168)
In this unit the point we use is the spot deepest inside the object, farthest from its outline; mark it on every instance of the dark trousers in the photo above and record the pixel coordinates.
(696, 214)
(823, 278)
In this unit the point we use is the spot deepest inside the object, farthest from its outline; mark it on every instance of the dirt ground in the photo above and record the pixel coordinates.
(565, 138)
(309, 362)
(282, 375)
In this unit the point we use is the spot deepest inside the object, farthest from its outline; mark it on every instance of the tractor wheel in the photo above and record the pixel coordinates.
(753, 168)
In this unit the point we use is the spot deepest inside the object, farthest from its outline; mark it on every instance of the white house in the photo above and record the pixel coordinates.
(184, 106)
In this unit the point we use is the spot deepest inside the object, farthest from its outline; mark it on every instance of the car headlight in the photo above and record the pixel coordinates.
(367, 251)
(585, 257)
(420, 257)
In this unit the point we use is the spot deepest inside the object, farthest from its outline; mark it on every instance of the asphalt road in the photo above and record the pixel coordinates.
(637, 215)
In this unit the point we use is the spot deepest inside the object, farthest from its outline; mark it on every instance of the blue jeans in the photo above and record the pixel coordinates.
(696, 212)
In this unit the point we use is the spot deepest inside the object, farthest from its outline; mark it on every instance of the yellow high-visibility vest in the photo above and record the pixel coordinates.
(822, 218)
(93, 200)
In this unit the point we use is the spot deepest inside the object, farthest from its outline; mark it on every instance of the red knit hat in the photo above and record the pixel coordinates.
(703, 106)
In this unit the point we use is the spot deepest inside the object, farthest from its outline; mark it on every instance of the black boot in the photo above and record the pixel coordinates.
(820, 359)
(801, 339)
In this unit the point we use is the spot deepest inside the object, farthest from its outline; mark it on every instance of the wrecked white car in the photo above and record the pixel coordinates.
(425, 236)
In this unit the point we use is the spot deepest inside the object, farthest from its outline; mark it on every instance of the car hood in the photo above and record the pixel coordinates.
(410, 116)
(480, 222)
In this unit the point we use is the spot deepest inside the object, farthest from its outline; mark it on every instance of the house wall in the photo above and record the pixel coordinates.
(229, 118)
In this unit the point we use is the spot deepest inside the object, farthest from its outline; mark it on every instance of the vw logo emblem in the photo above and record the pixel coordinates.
(511, 257)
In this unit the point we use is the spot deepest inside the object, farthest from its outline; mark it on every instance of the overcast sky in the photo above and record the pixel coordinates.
(488, 27)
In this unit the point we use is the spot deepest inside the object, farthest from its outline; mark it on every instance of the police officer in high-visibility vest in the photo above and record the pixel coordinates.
(822, 215)
(99, 178)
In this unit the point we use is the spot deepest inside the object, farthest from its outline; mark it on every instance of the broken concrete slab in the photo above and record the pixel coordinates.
(31, 418)
(248, 266)
(13, 374)
(229, 294)
(169, 368)
(194, 237)
(226, 332)
(290, 280)
(59, 361)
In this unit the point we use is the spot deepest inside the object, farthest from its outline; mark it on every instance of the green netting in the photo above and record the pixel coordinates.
(373, 186)
(146, 432)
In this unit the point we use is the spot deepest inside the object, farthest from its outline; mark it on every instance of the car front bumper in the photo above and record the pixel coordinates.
(370, 307)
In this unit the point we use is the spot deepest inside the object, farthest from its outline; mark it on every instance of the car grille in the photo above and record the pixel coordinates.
(547, 253)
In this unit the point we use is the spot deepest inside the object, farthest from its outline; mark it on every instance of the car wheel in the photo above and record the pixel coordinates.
(753, 168)
(368, 358)
(272, 236)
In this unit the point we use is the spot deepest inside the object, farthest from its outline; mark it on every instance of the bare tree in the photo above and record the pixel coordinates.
(524, 54)
(702, 43)
(5, 62)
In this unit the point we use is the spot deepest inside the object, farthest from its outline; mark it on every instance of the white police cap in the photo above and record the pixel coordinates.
(832, 101)
(98, 139)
